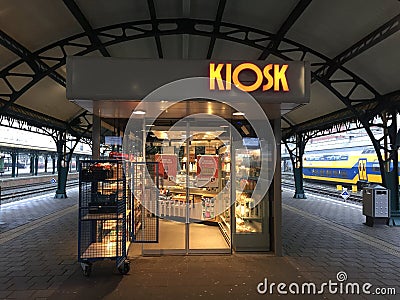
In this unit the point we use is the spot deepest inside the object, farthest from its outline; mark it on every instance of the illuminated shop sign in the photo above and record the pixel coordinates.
(271, 76)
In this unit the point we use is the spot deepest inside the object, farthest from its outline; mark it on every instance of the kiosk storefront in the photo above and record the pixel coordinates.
(214, 128)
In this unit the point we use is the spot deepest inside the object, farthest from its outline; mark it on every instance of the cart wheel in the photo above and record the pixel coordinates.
(87, 270)
(125, 267)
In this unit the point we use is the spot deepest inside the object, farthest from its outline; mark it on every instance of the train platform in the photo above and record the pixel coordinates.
(323, 240)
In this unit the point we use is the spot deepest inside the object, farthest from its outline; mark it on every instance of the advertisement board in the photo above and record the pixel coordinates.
(207, 171)
(168, 168)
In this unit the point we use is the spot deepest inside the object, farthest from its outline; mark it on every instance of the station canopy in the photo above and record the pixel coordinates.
(353, 46)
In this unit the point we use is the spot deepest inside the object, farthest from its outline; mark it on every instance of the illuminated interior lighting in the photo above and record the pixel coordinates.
(238, 113)
(139, 112)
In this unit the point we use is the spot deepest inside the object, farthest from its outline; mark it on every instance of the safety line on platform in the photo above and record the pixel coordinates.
(369, 240)
(20, 230)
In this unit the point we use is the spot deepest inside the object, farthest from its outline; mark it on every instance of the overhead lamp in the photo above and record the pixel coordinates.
(238, 113)
(139, 112)
(150, 125)
(224, 126)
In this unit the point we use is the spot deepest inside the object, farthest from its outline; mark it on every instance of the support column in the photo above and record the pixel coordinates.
(14, 156)
(62, 169)
(392, 132)
(45, 163)
(32, 164)
(298, 168)
(276, 189)
(388, 158)
(36, 164)
(296, 156)
(96, 137)
(54, 164)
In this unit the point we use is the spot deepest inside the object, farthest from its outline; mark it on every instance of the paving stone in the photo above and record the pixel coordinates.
(42, 294)
(21, 294)
(48, 254)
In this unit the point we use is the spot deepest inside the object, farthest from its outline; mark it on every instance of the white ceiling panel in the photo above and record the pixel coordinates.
(200, 9)
(229, 50)
(379, 66)
(198, 46)
(330, 27)
(37, 23)
(322, 102)
(141, 48)
(264, 15)
(101, 13)
(48, 97)
(172, 46)
(168, 9)
(6, 57)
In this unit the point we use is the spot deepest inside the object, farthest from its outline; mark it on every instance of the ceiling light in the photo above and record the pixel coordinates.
(224, 126)
(139, 112)
(150, 125)
(238, 113)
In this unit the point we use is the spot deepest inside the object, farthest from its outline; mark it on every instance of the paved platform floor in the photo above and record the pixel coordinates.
(321, 238)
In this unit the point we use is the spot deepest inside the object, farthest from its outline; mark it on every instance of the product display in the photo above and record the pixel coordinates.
(248, 215)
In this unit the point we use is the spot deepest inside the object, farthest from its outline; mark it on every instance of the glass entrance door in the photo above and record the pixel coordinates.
(194, 206)
(209, 190)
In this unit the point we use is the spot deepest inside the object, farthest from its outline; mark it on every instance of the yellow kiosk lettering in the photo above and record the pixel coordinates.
(272, 75)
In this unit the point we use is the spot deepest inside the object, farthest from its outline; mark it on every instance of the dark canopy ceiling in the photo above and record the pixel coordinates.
(353, 46)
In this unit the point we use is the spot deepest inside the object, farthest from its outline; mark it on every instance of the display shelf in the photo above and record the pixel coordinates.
(107, 249)
(248, 216)
(225, 222)
(105, 216)
(225, 233)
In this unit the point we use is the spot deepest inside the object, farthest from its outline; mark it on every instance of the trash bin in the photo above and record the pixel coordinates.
(376, 206)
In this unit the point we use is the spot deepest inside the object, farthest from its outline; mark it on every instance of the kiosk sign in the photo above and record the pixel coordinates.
(272, 75)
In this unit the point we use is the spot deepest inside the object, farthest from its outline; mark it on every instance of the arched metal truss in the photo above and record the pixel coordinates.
(347, 87)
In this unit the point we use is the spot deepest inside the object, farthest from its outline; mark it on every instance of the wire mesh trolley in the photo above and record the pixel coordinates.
(104, 208)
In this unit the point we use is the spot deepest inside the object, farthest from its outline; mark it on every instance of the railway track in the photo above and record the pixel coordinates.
(323, 190)
(18, 193)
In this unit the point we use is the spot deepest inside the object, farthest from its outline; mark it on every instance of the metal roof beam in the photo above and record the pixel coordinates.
(292, 18)
(217, 25)
(31, 59)
(370, 109)
(78, 15)
(154, 23)
(367, 42)
(32, 117)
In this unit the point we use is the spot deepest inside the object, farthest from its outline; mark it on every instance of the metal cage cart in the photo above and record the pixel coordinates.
(104, 214)
(145, 202)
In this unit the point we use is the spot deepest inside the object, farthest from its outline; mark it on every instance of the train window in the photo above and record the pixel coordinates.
(329, 173)
(336, 173)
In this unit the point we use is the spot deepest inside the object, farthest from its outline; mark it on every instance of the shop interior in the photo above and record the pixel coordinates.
(208, 167)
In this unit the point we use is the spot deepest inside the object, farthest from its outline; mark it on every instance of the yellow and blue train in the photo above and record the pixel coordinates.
(351, 168)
